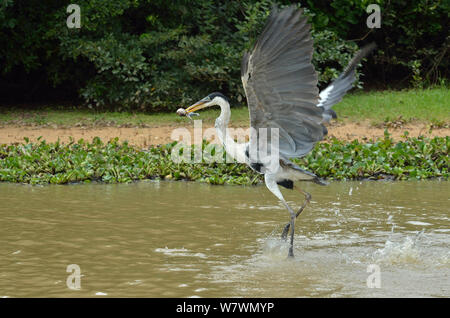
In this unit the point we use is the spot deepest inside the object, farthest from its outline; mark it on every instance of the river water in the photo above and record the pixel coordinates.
(182, 239)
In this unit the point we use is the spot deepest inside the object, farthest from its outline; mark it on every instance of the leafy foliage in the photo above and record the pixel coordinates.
(40, 163)
(141, 55)
(158, 55)
(413, 158)
(413, 41)
(169, 63)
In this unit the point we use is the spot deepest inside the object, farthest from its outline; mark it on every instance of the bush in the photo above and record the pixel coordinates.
(413, 40)
(169, 64)
(137, 55)
(158, 55)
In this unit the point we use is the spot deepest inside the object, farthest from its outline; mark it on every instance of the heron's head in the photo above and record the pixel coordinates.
(210, 100)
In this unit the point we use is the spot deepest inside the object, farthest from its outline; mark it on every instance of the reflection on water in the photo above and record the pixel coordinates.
(177, 239)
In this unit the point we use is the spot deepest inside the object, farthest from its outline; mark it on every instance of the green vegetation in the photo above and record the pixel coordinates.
(413, 158)
(412, 41)
(140, 55)
(379, 107)
(429, 105)
(55, 163)
(89, 118)
(144, 55)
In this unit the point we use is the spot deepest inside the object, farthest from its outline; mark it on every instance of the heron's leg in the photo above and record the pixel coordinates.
(287, 226)
(285, 231)
(271, 184)
(292, 226)
(291, 245)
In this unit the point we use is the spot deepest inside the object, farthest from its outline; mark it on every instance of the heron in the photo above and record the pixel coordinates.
(281, 86)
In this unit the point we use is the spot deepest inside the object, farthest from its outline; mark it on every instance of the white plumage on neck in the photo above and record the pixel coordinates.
(235, 150)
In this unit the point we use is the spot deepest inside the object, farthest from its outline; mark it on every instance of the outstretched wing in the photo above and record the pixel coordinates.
(336, 90)
(281, 84)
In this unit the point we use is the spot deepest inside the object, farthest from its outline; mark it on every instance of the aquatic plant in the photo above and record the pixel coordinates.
(412, 158)
(114, 161)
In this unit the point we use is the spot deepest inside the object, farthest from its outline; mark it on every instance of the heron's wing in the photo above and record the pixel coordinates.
(336, 90)
(281, 84)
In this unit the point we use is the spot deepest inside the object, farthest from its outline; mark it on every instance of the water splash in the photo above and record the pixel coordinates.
(275, 249)
(405, 252)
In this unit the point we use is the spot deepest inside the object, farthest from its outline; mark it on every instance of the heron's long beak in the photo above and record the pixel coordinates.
(197, 106)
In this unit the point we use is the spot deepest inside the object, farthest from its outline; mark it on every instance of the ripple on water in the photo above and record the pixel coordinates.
(418, 223)
(179, 252)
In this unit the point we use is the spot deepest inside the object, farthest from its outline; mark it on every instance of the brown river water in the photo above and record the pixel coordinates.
(180, 239)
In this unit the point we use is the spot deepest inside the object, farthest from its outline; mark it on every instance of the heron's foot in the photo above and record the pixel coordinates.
(285, 232)
(291, 252)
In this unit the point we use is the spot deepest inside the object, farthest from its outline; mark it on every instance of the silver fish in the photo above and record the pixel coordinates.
(182, 112)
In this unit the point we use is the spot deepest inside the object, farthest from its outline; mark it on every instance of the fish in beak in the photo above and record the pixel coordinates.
(188, 112)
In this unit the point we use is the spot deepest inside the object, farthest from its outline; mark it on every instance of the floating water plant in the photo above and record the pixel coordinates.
(111, 162)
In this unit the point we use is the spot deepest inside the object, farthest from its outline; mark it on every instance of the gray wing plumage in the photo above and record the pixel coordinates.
(281, 84)
(336, 90)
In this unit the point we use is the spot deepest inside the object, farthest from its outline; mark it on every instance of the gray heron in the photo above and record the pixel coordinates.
(280, 84)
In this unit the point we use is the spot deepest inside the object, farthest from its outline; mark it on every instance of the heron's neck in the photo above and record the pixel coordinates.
(221, 127)
(223, 120)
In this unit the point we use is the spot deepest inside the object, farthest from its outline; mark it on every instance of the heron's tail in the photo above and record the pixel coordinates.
(363, 52)
(338, 88)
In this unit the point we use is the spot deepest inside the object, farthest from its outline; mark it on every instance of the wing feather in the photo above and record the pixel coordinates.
(281, 84)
